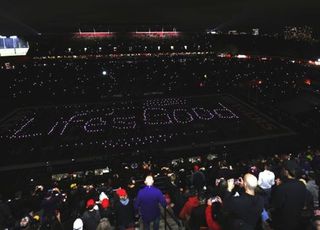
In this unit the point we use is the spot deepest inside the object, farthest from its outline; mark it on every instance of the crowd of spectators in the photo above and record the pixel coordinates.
(276, 85)
(275, 192)
(77, 80)
(270, 192)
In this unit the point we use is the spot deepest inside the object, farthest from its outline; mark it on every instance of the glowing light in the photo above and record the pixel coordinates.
(242, 56)
(104, 73)
(307, 81)
(93, 34)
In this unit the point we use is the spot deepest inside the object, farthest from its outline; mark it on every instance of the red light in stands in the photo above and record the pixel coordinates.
(93, 34)
(307, 82)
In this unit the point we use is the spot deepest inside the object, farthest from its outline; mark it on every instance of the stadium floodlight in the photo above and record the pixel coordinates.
(240, 56)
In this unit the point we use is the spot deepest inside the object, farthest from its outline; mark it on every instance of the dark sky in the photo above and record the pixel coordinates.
(46, 15)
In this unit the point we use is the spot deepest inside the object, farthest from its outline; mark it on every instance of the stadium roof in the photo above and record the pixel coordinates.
(39, 16)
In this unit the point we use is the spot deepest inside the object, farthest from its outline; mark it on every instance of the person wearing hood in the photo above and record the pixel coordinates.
(124, 210)
(191, 203)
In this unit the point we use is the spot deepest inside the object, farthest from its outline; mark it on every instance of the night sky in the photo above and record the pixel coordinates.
(20, 16)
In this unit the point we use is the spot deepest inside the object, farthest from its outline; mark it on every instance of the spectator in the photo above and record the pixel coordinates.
(266, 180)
(316, 223)
(104, 209)
(5, 214)
(211, 221)
(197, 217)
(313, 188)
(244, 211)
(124, 210)
(104, 224)
(288, 199)
(191, 203)
(78, 224)
(91, 217)
(148, 200)
(198, 179)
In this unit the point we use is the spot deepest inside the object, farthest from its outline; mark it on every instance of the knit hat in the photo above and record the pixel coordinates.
(121, 192)
(105, 203)
(78, 224)
(90, 203)
(103, 196)
(196, 168)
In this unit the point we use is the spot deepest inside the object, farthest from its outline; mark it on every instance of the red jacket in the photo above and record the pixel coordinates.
(212, 224)
(185, 212)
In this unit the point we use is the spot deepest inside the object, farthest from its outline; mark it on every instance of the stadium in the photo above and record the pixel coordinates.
(96, 111)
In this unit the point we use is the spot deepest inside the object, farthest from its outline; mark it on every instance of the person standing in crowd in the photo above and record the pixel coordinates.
(243, 211)
(147, 202)
(210, 215)
(124, 210)
(78, 224)
(104, 224)
(288, 199)
(266, 180)
(91, 217)
(313, 188)
(5, 214)
(197, 216)
(198, 179)
(191, 203)
(316, 223)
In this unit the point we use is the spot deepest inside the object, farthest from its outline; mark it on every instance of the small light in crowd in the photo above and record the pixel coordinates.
(185, 47)
(172, 47)
(31, 180)
(85, 48)
(307, 82)
(104, 73)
